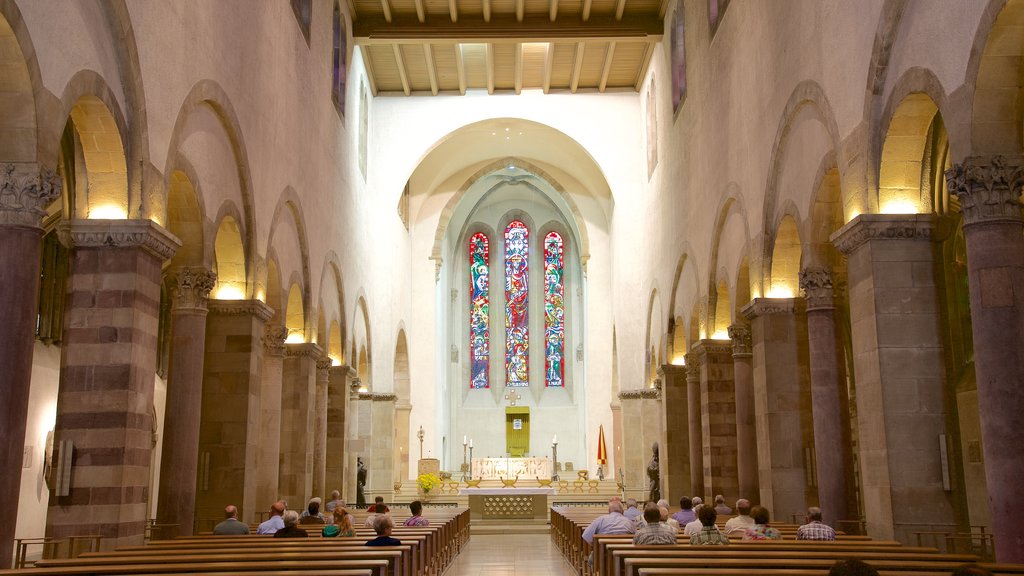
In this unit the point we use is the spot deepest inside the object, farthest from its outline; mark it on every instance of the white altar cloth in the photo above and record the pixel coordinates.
(506, 491)
(509, 468)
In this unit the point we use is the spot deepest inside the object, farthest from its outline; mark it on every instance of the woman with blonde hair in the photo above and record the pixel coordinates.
(342, 525)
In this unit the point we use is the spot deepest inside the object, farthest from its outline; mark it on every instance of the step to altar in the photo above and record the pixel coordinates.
(525, 526)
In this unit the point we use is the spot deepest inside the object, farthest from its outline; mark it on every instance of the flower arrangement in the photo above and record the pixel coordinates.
(428, 482)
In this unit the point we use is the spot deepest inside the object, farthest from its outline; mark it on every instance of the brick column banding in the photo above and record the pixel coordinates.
(989, 191)
(779, 387)
(337, 449)
(899, 362)
(180, 456)
(230, 422)
(675, 439)
(298, 398)
(25, 191)
(693, 420)
(831, 432)
(746, 431)
(323, 377)
(718, 417)
(108, 369)
(269, 451)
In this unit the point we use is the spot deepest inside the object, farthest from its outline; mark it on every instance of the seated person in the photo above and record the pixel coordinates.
(335, 502)
(708, 533)
(290, 530)
(231, 526)
(852, 567)
(275, 522)
(378, 506)
(815, 529)
(417, 519)
(656, 531)
(761, 530)
(382, 525)
(611, 523)
(312, 514)
(720, 506)
(370, 519)
(737, 526)
(342, 525)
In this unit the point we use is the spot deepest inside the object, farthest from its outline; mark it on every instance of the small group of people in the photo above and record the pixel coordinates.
(284, 523)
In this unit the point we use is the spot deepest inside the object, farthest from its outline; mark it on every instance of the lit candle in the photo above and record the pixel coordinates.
(470, 442)
(554, 439)
(463, 440)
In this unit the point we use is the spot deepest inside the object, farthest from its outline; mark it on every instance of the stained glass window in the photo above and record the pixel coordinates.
(554, 311)
(479, 310)
(517, 332)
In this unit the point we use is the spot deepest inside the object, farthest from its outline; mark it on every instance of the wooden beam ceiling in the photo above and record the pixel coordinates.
(503, 27)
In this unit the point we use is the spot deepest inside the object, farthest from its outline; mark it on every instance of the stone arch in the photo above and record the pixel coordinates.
(654, 334)
(901, 161)
(685, 287)
(332, 269)
(295, 317)
(994, 69)
(185, 219)
(19, 136)
(209, 93)
(732, 204)
(362, 352)
(229, 260)
(881, 52)
(449, 208)
(825, 215)
(290, 203)
(786, 256)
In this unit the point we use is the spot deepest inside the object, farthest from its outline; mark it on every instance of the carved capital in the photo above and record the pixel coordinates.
(25, 192)
(692, 368)
(241, 308)
(740, 335)
(273, 339)
(988, 188)
(378, 396)
(323, 369)
(641, 393)
(767, 306)
(816, 286)
(304, 350)
(144, 234)
(192, 288)
(870, 227)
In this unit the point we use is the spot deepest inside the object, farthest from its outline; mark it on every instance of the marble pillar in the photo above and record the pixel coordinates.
(693, 422)
(989, 191)
(269, 451)
(337, 449)
(108, 369)
(323, 377)
(230, 421)
(25, 191)
(298, 409)
(899, 362)
(718, 417)
(641, 421)
(746, 430)
(382, 444)
(779, 387)
(179, 460)
(358, 419)
(675, 438)
(831, 436)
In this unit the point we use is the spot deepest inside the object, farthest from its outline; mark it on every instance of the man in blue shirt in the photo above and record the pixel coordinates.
(686, 515)
(382, 525)
(275, 522)
(611, 523)
(631, 510)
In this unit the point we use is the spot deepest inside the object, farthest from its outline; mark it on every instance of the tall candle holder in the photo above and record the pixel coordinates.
(554, 459)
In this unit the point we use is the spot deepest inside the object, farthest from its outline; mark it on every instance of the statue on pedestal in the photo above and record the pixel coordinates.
(360, 483)
(653, 474)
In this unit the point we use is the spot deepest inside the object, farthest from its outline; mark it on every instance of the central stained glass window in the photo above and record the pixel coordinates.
(479, 310)
(517, 332)
(554, 311)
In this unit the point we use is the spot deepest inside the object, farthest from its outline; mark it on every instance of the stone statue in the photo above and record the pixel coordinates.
(653, 474)
(360, 483)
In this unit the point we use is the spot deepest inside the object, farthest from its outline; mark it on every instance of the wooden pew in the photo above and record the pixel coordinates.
(373, 567)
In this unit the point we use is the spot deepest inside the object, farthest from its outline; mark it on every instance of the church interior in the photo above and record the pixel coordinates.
(260, 250)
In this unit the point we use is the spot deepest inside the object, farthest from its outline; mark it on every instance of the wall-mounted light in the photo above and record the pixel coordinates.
(107, 212)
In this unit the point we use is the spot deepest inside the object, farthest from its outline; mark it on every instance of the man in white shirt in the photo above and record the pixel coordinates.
(738, 525)
(275, 523)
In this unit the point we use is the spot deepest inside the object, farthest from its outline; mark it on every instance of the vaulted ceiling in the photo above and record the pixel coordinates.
(416, 47)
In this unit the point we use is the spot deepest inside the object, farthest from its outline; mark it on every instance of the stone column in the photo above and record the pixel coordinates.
(337, 451)
(25, 191)
(323, 377)
(108, 369)
(779, 387)
(180, 457)
(230, 426)
(746, 431)
(298, 400)
(693, 421)
(382, 444)
(831, 441)
(269, 452)
(675, 439)
(989, 192)
(899, 364)
(358, 419)
(718, 417)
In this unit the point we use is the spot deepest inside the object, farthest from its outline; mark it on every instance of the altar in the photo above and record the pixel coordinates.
(507, 503)
(509, 468)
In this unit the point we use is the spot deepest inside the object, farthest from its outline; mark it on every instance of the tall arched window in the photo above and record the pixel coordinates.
(517, 332)
(479, 310)
(554, 310)
(340, 52)
(678, 46)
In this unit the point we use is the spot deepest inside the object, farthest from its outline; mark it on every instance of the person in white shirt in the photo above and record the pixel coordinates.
(275, 523)
(738, 525)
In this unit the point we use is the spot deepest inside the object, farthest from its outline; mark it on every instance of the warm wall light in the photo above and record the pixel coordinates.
(899, 206)
(781, 290)
(679, 360)
(107, 212)
(335, 361)
(295, 338)
(720, 335)
(229, 292)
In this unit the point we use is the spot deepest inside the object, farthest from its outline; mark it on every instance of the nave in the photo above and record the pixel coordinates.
(510, 555)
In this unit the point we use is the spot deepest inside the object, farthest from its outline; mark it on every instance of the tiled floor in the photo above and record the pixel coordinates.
(510, 555)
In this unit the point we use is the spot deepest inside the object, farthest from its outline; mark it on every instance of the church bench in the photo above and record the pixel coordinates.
(770, 572)
(392, 555)
(373, 567)
(632, 565)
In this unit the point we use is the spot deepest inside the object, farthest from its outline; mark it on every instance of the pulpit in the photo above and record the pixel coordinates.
(428, 466)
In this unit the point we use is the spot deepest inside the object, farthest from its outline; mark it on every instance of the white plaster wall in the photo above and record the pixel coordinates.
(42, 413)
